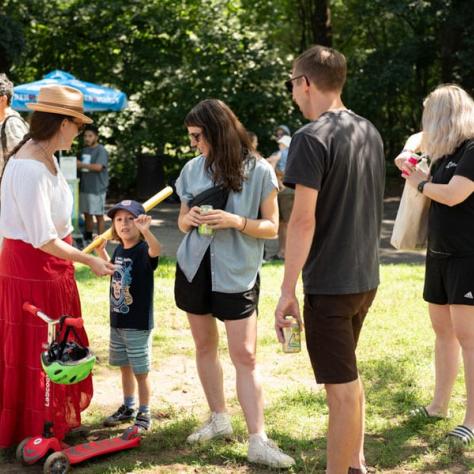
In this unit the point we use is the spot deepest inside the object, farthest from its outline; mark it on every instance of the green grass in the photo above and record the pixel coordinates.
(395, 361)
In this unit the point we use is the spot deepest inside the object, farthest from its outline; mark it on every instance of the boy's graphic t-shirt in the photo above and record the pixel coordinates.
(131, 288)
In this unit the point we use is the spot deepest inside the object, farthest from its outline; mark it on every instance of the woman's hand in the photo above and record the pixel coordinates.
(414, 176)
(101, 267)
(218, 219)
(402, 159)
(193, 217)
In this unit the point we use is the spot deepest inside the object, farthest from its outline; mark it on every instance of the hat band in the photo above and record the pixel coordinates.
(53, 104)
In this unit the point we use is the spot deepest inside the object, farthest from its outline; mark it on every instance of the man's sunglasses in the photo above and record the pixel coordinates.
(289, 82)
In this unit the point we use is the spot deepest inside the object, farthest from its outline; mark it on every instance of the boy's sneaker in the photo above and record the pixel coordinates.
(268, 453)
(143, 421)
(120, 416)
(217, 426)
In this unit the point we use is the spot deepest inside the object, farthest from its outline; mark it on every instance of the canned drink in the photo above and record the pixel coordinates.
(292, 336)
(204, 229)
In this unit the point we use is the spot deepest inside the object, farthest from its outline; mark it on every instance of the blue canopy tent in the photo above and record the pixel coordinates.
(96, 98)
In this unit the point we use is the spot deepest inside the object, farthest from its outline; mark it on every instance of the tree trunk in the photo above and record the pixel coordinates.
(315, 22)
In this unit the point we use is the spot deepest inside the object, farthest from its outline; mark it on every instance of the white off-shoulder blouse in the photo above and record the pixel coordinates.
(35, 205)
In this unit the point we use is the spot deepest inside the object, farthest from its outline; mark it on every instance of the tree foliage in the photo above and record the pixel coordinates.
(169, 54)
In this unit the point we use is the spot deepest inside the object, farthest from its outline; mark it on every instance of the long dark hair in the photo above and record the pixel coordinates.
(43, 126)
(229, 143)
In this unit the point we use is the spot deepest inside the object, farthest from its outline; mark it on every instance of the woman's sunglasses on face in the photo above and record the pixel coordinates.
(79, 125)
(195, 136)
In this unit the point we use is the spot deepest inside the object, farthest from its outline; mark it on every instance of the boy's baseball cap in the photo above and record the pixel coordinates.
(133, 207)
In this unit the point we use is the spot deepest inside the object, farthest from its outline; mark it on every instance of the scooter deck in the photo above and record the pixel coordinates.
(82, 452)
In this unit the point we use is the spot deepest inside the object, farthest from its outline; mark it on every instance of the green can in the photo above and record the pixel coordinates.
(292, 335)
(204, 229)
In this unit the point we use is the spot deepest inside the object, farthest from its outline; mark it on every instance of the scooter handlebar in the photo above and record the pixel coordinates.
(77, 323)
(30, 308)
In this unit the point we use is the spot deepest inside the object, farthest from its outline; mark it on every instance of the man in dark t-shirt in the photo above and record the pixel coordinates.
(336, 166)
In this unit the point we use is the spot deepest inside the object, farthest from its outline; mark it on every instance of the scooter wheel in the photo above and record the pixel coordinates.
(56, 463)
(19, 451)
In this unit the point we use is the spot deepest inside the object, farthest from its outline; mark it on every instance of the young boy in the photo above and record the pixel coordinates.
(131, 308)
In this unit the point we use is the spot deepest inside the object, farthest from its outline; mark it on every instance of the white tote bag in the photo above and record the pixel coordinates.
(410, 231)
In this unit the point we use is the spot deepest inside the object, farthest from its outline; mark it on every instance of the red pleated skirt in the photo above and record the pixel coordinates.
(29, 274)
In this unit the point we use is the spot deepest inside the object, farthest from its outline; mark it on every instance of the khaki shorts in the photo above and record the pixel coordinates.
(285, 203)
(93, 204)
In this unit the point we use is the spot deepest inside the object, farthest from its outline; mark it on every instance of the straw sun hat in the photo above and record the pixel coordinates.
(62, 100)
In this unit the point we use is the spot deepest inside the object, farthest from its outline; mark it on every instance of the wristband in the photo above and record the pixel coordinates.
(245, 225)
(421, 185)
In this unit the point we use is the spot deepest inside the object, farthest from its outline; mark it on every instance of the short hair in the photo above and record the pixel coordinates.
(447, 120)
(91, 128)
(6, 87)
(325, 67)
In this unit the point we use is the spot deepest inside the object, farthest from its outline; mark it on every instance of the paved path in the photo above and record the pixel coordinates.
(165, 217)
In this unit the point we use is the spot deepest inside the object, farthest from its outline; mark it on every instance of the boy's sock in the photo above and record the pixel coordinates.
(129, 402)
(145, 409)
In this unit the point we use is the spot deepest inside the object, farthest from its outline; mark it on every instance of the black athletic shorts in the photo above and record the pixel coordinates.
(332, 327)
(449, 280)
(197, 297)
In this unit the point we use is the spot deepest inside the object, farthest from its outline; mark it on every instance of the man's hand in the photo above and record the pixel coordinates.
(287, 306)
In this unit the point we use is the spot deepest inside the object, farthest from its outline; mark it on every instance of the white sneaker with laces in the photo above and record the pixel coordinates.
(216, 426)
(266, 452)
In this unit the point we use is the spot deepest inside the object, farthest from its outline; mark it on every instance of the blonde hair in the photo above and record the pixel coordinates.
(447, 121)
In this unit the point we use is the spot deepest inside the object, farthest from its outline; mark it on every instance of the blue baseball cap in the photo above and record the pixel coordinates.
(133, 207)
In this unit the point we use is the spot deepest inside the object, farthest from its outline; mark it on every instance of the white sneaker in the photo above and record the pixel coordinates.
(217, 426)
(267, 452)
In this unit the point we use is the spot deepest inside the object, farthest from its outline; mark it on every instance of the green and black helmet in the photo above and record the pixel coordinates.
(67, 362)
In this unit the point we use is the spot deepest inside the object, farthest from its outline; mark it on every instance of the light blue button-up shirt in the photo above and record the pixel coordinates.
(236, 258)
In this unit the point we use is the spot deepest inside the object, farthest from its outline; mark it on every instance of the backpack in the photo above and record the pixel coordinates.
(3, 132)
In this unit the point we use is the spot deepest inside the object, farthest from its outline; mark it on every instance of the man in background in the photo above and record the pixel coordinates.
(92, 164)
(12, 127)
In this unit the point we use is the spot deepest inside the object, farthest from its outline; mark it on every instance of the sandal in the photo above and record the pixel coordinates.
(461, 435)
(422, 412)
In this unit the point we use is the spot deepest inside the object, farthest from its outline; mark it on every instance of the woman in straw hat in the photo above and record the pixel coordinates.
(36, 266)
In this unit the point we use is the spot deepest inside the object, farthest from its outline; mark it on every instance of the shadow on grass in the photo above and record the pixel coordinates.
(391, 390)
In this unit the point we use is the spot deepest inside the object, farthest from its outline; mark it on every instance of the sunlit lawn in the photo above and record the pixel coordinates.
(395, 360)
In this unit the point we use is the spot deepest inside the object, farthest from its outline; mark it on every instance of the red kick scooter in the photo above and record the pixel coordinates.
(66, 362)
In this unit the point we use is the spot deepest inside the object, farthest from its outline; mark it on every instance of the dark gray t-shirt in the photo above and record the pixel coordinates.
(93, 182)
(341, 156)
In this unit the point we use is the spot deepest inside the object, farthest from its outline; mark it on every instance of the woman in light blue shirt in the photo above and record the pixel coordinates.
(217, 272)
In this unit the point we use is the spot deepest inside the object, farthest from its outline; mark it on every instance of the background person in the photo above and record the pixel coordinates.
(217, 275)
(12, 127)
(94, 180)
(286, 195)
(337, 167)
(36, 266)
(448, 140)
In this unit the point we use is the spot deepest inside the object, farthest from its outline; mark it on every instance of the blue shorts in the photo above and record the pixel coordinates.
(131, 347)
